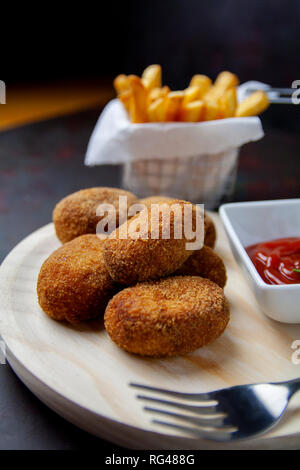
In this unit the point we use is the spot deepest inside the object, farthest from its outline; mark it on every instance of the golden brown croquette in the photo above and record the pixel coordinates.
(131, 260)
(73, 282)
(210, 231)
(209, 226)
(75, 214)
(147, 201)
(169, 317)
(205, 263)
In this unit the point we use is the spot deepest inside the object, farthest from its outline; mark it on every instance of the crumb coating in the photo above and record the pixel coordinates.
(210, 231)
(73, 283)
(155, 200)
(75, 214)
(169, 317)
(205, 263)
(131, 260)
(210, 234)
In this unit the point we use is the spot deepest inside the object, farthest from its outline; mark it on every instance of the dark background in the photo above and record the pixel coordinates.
(256, 39)
(42, 162)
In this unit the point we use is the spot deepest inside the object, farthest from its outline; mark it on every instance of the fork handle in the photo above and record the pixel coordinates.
(293, 385)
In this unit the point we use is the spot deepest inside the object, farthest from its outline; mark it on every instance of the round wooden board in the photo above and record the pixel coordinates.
(83, 376)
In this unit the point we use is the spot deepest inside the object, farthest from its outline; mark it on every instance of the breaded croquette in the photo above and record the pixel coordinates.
(75, 214)
(205, 263)
(130, 260)
(169, 317)
(209, 226)
(209, 231)
(155, 200)
(73, 282)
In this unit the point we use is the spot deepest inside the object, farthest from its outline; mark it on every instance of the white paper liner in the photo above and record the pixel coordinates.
(116, 140)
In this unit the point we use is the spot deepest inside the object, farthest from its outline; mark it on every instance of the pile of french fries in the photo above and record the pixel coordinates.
(146, 100)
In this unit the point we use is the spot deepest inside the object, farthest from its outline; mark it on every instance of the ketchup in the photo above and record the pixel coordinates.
(277, 261)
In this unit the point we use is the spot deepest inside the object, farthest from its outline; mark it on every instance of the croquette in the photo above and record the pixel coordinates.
(130, 260)
(147, 201)
(209, 226)
(73, 283)
(210, 234)
(205, 263)
(75, 214)
(168, 317)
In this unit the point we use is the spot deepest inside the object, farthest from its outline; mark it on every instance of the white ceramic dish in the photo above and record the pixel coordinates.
(247, 223)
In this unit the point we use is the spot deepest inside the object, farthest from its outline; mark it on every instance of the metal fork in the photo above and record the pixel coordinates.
(228, 414)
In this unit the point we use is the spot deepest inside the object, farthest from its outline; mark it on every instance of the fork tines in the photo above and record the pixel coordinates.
(203, 420)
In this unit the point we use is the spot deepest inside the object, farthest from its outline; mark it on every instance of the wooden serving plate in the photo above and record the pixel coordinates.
(83, 376)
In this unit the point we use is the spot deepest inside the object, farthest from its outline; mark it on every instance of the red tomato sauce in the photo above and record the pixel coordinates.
(277, 260)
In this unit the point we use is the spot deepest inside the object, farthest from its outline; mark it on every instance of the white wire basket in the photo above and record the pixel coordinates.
(207, 179)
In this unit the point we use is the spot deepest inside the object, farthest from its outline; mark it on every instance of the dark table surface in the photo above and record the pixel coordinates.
(41, 163)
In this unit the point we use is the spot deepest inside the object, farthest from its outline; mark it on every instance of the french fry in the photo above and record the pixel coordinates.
(213, 94)
(228, 103)
(192, 112)
(156, 93)
(121, 83)
(192, 93)
(157, 110)
(146, 100)
(211, 110)
(173, 105)
(226, 80)
(125, 99)
(138, 101)
(254, 104)
(203, 82)
(151, 77)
